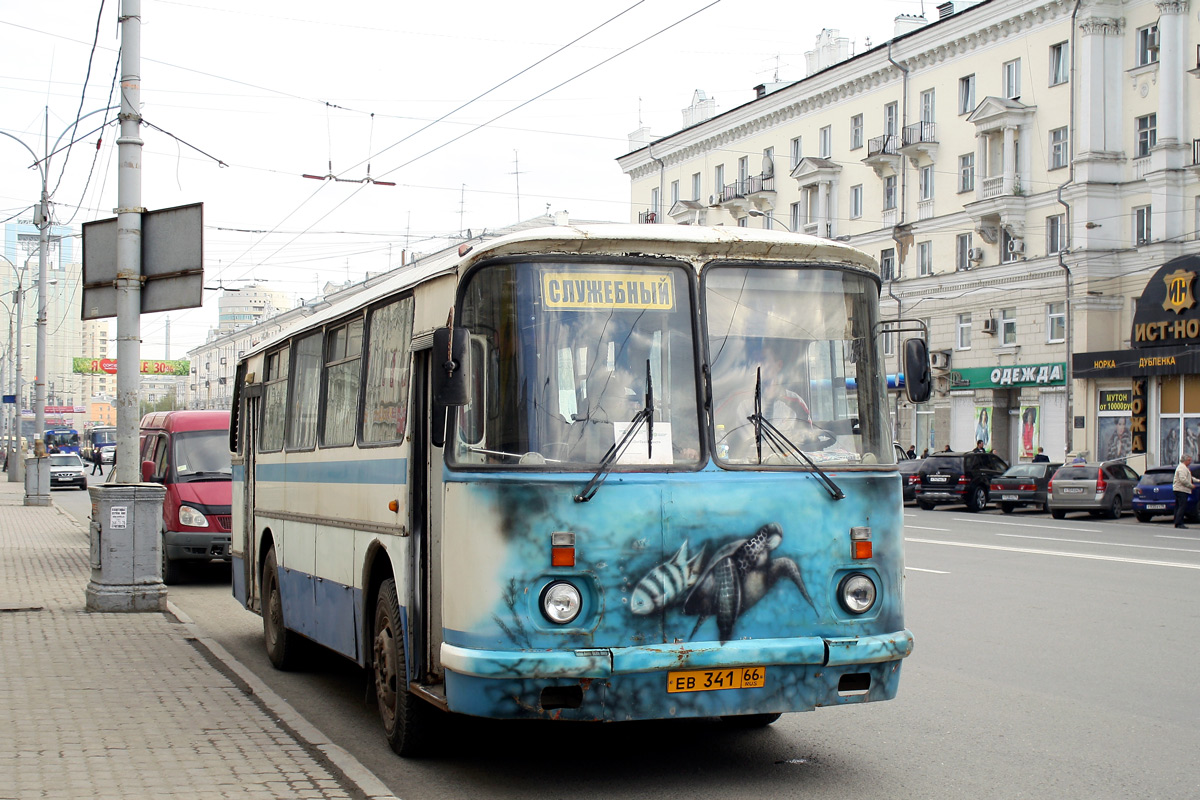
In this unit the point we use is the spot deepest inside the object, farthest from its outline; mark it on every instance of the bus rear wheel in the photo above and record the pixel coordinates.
(406, 719)
(283, 646)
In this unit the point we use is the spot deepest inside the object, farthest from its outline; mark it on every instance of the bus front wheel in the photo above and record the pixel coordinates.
(405, 717)
(282, 645)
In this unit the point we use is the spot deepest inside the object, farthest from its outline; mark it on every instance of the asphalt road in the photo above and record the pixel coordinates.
(1053, 659)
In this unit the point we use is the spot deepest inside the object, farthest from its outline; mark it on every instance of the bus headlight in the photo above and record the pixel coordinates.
(191, 517)
(561, 602)
(857, 593)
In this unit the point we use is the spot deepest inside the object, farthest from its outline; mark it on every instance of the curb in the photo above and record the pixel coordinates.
(353, 769)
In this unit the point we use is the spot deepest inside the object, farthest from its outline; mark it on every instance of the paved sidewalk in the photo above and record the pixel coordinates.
(96, 705)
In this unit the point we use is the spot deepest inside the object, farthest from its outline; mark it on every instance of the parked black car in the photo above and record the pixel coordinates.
(1023, 485)
(910, 476)
(958, 478)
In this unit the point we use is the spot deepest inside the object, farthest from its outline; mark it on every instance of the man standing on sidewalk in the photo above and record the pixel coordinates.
(1182, 487)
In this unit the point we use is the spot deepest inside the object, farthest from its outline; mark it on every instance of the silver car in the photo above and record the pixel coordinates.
(1102, 488)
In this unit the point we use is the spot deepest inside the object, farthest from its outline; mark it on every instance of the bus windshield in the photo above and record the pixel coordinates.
(61, 438)
(803, 340)
(104, 436)
(560, 359)
(202, 456)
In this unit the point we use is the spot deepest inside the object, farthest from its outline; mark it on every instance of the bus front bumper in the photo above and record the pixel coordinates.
(627, 683)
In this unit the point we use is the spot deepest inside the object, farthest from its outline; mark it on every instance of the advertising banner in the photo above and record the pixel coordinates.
(108, 366)
(1030, 430)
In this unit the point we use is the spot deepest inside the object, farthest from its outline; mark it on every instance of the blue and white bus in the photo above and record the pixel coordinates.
(102, 438)
(585, 473)
(61, 440)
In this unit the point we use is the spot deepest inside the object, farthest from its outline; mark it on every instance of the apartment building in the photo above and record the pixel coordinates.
(1020, 168)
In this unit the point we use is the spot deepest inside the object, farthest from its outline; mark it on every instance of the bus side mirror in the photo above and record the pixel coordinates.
(451, 384)
(918, 381)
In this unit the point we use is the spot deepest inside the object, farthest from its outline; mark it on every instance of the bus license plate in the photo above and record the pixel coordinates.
(708, 680)
(1008, 497)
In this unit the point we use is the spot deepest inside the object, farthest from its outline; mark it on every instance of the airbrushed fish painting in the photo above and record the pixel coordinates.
(726, 585)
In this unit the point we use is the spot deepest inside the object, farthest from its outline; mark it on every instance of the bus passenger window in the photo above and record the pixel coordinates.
(385, 409)
(342, 369)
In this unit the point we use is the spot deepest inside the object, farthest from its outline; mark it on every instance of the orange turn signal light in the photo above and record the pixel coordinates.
(394, 506)
(861, 549)
(562, 549)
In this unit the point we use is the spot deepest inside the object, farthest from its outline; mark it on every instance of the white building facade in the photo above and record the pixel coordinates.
(986, 159)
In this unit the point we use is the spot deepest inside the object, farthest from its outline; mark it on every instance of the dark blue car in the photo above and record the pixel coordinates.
(1153, 497)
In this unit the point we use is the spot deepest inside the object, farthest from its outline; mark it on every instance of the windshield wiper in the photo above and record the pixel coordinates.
(644, 416)
(780, 443)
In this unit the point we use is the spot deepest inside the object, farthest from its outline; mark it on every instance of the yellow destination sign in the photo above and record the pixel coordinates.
(604, 291)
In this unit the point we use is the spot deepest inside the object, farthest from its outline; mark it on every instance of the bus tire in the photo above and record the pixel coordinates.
(283, 646)
(748, 722)
(406, 719)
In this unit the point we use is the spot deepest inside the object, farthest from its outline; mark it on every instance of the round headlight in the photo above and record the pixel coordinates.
(561, 603)
(857, 593)
(191, 517)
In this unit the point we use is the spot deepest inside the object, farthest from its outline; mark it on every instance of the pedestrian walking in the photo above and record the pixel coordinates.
(97, 462)
(1182, 487)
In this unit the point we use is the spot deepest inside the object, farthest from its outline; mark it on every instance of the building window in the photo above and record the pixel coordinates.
(1008, 326)
(769, 158)
(1055, 234)
(797, 218)
(856, 131)
(1147, 45)
(674, 193)
(1012, 79)
(769, 220)
(962, 252)
(889, 192)
(927, 105)
(887, 264)
(891, 119)
(796, 152)
(654, 204)
(1008, 247)
(966, 173)
(924, 258)
(743, 169)
(966, 94)
(1147, 134)
(825, 141)
(743, 222)
(962, 337)
(1141, 225)
(926, 178)
(856, 201)
(1058, 63)
(1058, 148)
(889, 344)
(1056, 322)
(719, 181)
(695, 185)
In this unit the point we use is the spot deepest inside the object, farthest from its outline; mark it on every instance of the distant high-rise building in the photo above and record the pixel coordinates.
(239, 308)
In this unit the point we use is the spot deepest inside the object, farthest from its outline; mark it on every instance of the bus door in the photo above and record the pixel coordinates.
(251, 408)
(425, 471)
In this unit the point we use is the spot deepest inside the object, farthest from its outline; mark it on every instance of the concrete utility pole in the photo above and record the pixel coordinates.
(126, 568)
(42, 218)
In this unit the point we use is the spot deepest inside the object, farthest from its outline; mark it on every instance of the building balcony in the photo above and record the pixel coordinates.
(1140, 167)
(647, 218)
(925, 209)
(992, 187)
(1195, 153)
(920, 139)
(883, 153)
(757, 192)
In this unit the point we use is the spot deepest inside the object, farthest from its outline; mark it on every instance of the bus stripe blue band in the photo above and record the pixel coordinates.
(376, 471)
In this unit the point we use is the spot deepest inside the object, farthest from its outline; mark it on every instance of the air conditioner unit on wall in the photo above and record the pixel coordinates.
(975, 254)
(1016, 246)
(939, 359)
(989, 326)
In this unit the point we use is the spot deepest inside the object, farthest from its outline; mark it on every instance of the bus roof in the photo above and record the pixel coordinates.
(695, 243)
(186, 420)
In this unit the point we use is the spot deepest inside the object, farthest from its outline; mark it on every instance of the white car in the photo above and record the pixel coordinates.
(66, 469)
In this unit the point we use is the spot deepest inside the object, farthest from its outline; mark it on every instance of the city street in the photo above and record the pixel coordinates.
(1053, 658)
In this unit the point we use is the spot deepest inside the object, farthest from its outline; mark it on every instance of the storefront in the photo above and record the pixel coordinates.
(1145, 401)
(1012, 408)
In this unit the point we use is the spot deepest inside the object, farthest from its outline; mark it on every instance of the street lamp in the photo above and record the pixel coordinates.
(42, 220)
(754, 212)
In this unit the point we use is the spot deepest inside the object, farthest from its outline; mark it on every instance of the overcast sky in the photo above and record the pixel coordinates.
(274, 89)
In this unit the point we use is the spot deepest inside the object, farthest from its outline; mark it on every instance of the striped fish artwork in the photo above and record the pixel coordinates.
(667, 583)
